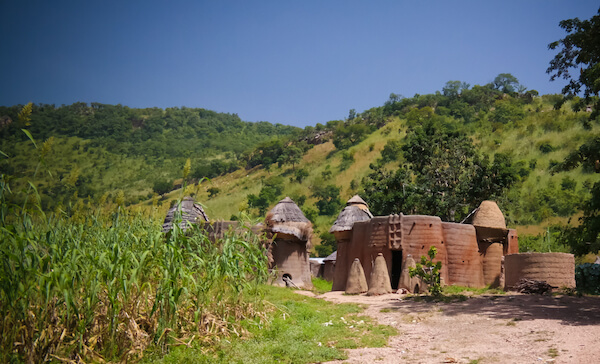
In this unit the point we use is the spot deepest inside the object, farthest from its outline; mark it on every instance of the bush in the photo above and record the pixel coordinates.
(587, 276)
(162, 187)
(545, 147)
(429, 272)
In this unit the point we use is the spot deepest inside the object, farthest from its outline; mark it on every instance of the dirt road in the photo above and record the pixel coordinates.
(512, 328)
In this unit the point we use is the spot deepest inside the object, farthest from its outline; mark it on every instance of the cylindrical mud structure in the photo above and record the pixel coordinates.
(512, 247)
(491, 258)
(556, 269)
(464, 262)
(419, 233)
(342, 266)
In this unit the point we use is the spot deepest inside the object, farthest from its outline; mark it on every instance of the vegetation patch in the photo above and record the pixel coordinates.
(299, 329)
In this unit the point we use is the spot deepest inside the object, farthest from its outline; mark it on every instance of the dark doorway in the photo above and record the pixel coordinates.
(396, 267)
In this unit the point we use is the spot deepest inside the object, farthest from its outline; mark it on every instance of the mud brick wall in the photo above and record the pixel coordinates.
(419, 233)
(557, 269)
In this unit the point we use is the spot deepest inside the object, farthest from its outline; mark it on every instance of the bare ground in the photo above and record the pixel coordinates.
(511, 328)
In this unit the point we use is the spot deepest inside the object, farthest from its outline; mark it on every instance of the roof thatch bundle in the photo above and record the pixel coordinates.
(489, 215)
(191, 213)
(357, 201)
(356, 210)
(287, 218)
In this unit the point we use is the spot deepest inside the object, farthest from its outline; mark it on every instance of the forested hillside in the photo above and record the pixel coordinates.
(439, 154)
(94, 150)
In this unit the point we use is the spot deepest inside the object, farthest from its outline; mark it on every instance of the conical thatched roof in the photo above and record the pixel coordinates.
(191, 213)
(356, 210)
(489, 215)
(331, 257)
(357, 201)
(286, 210)
(287, 218)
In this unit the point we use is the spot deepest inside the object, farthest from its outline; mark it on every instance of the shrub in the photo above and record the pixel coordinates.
(429, 272)
(587, 276)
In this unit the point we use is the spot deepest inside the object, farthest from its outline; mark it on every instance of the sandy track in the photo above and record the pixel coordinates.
(510, 328)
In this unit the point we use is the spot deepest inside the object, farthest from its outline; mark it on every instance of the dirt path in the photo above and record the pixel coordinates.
(511, 328)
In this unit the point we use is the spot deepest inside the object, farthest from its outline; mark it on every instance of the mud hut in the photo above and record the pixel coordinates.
(191, 213)
(471, 254)
(356, 210)
(289, 232)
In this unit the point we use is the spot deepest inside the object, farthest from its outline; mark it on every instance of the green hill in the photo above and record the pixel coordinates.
(475, 143)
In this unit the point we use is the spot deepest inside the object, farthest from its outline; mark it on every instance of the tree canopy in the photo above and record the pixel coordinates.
(579, 50)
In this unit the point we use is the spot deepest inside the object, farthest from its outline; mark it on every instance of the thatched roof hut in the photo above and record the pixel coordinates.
(191, 213)
(356, 210)
(287, 218)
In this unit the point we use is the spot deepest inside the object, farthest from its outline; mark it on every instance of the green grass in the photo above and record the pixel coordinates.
(300, 329)
(453, 290)
(321, 285)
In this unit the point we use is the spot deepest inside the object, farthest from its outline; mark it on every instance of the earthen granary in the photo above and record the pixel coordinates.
(289, 233)
(471, 254)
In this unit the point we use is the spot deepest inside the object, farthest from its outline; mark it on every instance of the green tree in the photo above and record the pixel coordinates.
(328, 199)
(162, 186)
(290, 155)
(346, 136)
(506, 83)
(328, 244)
(579, 50)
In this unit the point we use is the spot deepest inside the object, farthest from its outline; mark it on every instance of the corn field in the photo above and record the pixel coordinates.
(106, 286)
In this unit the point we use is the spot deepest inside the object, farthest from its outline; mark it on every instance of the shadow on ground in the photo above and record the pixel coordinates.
(570, 310)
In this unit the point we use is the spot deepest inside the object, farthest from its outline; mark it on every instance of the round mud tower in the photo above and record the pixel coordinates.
(357, 282)
(492, 262)
(464, 262)
(379, 282)
(556, 269)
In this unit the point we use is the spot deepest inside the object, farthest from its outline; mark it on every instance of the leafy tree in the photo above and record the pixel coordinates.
(329, 202)
(507, 111)
(300, 175)
(443, 174)
(506, 83)
(269, 193)
(346, 136)
(579, 50)
(453, 89)
(328, 244)
(391, 151)
(162, 186)
(290, 155)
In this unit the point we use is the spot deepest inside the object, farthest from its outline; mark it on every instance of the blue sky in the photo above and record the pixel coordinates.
(289, 62)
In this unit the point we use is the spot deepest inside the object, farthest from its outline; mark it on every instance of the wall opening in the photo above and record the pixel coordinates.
(396, 268)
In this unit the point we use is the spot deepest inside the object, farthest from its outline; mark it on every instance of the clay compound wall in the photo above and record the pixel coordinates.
(465, 267)
(328, 270)
(419, 233)
(557, 269)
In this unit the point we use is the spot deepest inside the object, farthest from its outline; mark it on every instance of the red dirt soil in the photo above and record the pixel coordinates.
(511, 328)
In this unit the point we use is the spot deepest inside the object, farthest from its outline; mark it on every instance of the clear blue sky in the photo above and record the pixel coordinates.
(289, 62)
